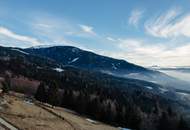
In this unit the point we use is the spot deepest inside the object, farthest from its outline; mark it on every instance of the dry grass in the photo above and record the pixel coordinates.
(28, 116)
(79, 122)
(31, 117)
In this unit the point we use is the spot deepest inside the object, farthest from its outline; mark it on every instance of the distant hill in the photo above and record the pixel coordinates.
(72, 56)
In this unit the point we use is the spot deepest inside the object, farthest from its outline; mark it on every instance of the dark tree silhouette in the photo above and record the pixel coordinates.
(183, 124)
(52, 94)
(41, 93)
(6, 84)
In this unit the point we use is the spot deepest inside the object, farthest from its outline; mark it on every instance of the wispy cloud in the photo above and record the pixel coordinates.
(87, 29)
(170, 24)
(61, 27)
(135, 17)
(7, 33)
(111, 39)
(60, 31)
(139, 47)
(147, 53)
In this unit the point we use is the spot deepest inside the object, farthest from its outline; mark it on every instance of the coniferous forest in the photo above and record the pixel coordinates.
(113, 100)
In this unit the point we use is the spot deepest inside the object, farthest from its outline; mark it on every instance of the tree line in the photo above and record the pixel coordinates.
(120, 102)
(100, 105)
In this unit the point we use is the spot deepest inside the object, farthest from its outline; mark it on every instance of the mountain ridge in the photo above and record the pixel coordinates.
(72, 56)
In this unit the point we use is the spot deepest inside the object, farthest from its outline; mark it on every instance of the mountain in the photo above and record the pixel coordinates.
(19, 62)
(72, 56)
(115, 100)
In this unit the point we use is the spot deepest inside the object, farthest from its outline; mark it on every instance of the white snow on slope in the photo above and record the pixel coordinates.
(113, 66)
(183, 94)
(58, 69)
(123, 128)
(20, 51)
(148, 87)
(74, 60)
(91, 121)
(163, 90)
(134, 74)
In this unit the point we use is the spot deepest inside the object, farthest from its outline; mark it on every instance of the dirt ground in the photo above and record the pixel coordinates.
(80, 122)
(26, 115)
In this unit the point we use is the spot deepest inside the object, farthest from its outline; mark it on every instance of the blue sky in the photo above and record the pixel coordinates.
(145, 32)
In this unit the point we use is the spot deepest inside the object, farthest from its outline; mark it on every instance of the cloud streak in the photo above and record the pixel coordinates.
(145, 53)
(8, 34)
(170, 24)
(135, 17)
(87, 29)
(111, 39)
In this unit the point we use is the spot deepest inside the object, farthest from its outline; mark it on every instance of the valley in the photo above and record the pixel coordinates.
(127, 102)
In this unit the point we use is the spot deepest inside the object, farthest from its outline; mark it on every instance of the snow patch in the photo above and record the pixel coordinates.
(153, 81)
(163, 90)
(113, 66)
(149, 87)
(29, 102)
(20, 51)
(183, 94)
(74, 60)
(91, 121)
(58, 69)
(133, 74)
(107, 72)
(124, 128)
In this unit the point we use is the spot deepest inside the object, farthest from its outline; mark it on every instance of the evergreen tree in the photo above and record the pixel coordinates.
(53, 93)
(170, 112)
(165, 122)
(41, 93)
(6, 84)
(183, 124)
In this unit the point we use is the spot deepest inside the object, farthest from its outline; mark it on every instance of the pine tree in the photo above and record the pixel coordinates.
(165, 122)
(183, 124)
(6, 85)
(41, 93)
(53, 93)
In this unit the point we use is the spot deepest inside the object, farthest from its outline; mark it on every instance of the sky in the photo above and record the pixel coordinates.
(144, 32)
